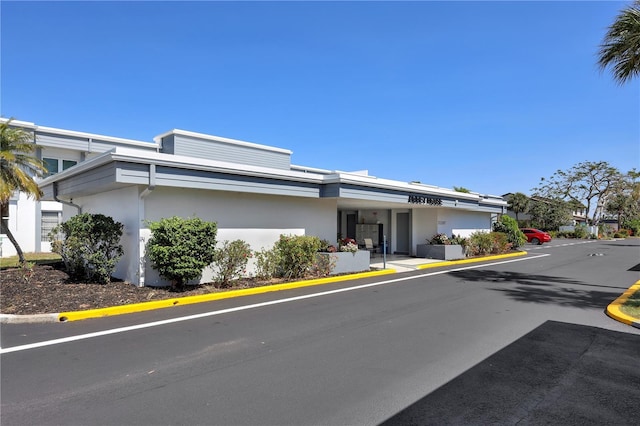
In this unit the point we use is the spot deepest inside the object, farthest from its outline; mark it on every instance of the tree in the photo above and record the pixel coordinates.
(461, 189)
(624, 202)
(620, 48)
(590, 183)
(518, 203)
(549, 214)
(17, 170)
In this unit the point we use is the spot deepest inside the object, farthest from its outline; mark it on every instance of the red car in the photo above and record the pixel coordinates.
(536, 236)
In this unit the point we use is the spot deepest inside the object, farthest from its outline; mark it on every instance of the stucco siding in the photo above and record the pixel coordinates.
(425, 226)
(22, 224)
(122, 206)
(462, 223)
(257, 219)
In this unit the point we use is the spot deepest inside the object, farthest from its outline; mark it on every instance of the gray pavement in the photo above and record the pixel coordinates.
(558, 374)
(345, 353)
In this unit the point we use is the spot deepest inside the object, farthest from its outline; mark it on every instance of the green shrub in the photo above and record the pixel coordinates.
(565, 234)
(90, 246)
(484, 243)
(323, 265)
(553, 234)
(180, 249)
(267, 263)
(296, 254)
(580, 231)
(509, 226)
(605, 230)
(501, 243)
(634, 226)
(479, 244)
(231, 261)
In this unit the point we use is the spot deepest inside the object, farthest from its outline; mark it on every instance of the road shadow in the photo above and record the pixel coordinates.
(586, 299)
(557, 374)
(492, 276)
(543, 288)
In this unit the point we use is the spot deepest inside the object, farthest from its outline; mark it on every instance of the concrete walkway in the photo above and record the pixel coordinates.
(400, 263)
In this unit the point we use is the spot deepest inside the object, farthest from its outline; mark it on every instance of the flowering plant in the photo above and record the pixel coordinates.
(443, 239)
(348, 244)
(349, 247)
(440, 239)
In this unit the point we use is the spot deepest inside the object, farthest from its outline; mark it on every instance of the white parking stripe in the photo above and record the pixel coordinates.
(243, 308)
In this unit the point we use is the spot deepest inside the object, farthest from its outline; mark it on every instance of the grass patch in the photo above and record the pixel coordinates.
(632, 305)
(38, 258)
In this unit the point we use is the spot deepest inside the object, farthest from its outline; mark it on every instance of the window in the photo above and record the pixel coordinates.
(49, 221)
(52, 166)
(55, 165)
(68, 163)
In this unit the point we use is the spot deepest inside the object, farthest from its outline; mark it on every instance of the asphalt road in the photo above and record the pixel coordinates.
(360, 352)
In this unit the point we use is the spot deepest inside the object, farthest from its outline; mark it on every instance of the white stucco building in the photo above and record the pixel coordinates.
(252, 191)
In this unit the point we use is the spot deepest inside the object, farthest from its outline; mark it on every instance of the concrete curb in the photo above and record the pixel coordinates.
(180, 301)
(188, 300)
(474, 260)
(22, 319)
(614, 311)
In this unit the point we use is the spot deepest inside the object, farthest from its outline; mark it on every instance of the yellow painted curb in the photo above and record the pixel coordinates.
(474, 260)
(188, 300)
(614, 311)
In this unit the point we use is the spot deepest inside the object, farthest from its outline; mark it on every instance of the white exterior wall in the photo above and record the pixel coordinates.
(462, 223)
(22, 224)
(257, 219)
(122, 206)
(424, 226)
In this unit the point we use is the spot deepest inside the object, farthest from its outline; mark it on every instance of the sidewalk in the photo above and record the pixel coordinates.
(400, 263)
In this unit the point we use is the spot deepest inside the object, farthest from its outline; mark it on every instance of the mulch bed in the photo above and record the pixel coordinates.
(49, 289)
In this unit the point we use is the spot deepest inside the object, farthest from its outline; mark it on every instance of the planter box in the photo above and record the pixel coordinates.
(440, 251)
(349, 262)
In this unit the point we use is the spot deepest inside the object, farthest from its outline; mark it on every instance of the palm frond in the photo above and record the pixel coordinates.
(620, 49)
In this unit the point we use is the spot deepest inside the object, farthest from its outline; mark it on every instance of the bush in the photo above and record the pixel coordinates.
(267, 263)
(440, 239)
(501, 243)
(296, 254)
(231, 261)
(509, 226)
(634, 226)
(479, 244)
(483, 243)
(580, 231)
(180, 249)
(323, 265)
(565, 234)
(90, 248)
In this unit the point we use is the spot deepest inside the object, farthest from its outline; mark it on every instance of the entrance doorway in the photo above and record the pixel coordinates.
(403, 233)
(351, 225)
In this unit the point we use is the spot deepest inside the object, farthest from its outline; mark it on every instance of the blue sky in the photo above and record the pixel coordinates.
(491, 96)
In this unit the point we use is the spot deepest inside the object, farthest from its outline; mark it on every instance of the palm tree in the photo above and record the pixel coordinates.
(17, 168)
(518, 203)
(621, 46)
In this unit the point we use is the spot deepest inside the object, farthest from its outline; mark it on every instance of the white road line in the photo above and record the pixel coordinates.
(243, 308)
